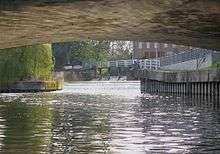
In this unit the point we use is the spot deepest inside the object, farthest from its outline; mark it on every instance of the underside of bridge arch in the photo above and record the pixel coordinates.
(187, 22)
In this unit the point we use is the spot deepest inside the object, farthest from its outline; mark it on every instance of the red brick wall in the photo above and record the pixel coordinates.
(141, 51)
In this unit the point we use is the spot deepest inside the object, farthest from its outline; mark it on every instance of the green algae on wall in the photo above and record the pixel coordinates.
(25, 63)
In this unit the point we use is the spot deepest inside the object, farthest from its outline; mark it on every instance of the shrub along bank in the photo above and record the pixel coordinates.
(25, 63)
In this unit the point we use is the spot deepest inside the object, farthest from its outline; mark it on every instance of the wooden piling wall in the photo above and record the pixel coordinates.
(206, 82)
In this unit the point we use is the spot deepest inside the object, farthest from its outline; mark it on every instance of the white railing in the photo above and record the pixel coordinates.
(149, 64)
(120, 63)
(142, 64)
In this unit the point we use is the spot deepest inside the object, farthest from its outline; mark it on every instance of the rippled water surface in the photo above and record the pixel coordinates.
(107, 117)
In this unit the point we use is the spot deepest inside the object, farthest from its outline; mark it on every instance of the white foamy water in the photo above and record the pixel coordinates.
(127, 89)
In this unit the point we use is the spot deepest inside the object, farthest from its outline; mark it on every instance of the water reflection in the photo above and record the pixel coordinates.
(180, 125)
(81, 120)
(81, 126)
(26, 125)
(2, 129)
(199, 101)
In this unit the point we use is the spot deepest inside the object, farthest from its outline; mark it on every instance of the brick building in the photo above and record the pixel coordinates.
(147, 50)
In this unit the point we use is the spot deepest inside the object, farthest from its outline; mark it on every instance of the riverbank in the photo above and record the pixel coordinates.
(33, 86)
(56, 83)
(203, 82)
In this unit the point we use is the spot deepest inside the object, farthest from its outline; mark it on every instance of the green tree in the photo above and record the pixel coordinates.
(90, 50)
(120, 50)
(27, 62)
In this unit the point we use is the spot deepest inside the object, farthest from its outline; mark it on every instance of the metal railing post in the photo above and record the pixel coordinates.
(145, 64)
(116, 63)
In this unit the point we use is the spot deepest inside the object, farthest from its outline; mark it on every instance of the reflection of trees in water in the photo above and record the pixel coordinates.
(2, 127)
(28, 126)
(192, 120)
(80, 127)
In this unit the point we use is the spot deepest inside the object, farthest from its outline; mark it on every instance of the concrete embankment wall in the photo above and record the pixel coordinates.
(204, 82)
(193, 64)
(36, 86)
(33, 86)
(190, 65)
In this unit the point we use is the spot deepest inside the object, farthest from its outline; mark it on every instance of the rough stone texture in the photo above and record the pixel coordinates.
(188, 22)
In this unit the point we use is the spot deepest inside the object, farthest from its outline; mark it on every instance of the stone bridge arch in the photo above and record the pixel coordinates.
(187, 22)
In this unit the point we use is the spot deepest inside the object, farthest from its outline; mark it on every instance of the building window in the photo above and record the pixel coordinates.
(140, 45)
(165, 45)
(155, 45)
(148, 45)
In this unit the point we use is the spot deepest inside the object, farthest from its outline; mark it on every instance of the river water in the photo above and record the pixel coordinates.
(107, 117)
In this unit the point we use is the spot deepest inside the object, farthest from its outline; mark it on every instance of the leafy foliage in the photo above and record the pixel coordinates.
(89, 50)
(120, 50)
(27, 62)
(215, 65)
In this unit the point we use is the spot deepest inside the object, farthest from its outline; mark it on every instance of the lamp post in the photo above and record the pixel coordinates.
(156, 46)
